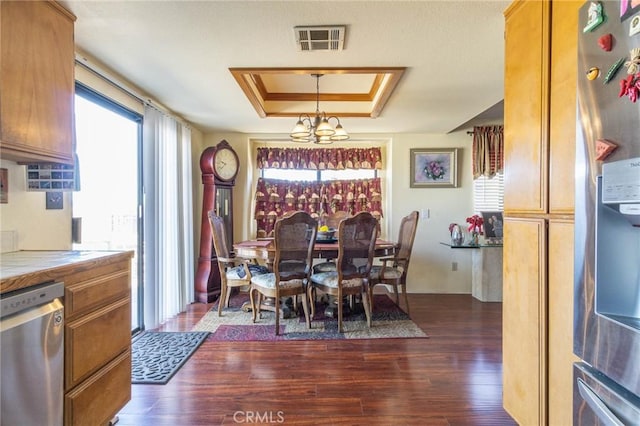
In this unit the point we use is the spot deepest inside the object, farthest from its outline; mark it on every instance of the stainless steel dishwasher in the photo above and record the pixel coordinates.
(32, 356)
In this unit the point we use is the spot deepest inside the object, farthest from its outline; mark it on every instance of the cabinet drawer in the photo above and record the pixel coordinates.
(100, 398)
(88, 295)
(96, 339)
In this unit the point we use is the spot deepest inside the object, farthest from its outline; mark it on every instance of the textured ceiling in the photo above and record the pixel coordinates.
(179, 53)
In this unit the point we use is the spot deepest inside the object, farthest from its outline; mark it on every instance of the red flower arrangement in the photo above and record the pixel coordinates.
(475, 224)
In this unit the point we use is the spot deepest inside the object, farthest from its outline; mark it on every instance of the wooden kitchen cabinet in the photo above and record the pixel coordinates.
(97, 342)
(540, 121)
(562, 110)
(560, 330)
(562, 149)
(523, 316)
(97, 332)
(526, 107)
(36, 82)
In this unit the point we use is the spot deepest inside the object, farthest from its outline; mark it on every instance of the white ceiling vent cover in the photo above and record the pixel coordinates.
(320, 38)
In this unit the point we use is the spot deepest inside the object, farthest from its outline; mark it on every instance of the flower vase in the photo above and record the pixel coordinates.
(474, 239)
(457, 238)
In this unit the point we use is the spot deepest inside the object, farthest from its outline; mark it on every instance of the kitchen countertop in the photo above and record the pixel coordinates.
(21, 269)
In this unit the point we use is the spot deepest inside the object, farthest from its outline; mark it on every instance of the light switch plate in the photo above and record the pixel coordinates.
(54, 200)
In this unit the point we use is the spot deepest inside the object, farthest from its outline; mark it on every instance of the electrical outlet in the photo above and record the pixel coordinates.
(454, 266)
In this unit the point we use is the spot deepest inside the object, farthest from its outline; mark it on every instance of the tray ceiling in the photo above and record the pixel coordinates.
(289, 92)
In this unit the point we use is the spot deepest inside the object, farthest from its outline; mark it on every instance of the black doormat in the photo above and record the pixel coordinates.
(158, 355)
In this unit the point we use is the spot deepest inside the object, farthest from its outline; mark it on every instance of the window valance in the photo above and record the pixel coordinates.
(320, 158)
(275, 198)
(488, 150)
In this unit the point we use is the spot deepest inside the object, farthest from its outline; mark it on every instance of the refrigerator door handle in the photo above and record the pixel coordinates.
(599, 408)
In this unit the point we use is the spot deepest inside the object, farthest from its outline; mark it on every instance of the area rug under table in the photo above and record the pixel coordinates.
(158, 355)
(388, 322)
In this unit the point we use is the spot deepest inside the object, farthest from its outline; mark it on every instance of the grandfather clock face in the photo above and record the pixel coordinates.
(225, 164)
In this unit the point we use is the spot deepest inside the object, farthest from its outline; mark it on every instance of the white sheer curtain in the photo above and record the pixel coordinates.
(168, 223)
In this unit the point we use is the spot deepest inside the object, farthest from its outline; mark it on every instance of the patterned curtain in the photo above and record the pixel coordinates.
(274, 198)
(319, 159)
(488, 150)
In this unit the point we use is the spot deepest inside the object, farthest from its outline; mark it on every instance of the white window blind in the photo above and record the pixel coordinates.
(488, 193)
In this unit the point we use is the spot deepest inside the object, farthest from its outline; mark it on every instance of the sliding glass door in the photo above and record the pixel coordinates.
(108, 206)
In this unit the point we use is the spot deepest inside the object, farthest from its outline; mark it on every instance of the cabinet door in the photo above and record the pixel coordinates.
(524, 319)
(562, 117)
(525, 107)
(37, 82)
(95, 339)
(97, 400)
(561, 357)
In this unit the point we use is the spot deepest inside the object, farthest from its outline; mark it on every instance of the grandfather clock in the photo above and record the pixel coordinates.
(219, 165)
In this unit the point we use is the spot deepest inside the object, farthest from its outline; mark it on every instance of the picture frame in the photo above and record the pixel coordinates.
(434, 168)
(493, 223)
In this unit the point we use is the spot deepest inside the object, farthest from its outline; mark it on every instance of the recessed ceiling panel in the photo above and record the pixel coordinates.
(286, 92)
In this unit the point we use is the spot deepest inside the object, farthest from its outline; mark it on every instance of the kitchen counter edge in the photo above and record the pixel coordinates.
(22, 269)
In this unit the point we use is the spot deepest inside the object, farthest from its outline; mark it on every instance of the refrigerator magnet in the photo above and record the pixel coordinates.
(606, 42)
(634, 27)
(604, 148)
(613, 70)
(595, 17)
(633, 64)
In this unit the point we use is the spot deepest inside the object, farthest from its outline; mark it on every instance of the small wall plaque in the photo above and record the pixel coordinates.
(54, 200)
(4, 186)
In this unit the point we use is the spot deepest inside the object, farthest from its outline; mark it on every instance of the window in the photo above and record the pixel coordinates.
(318, 175)
(488, 193)
(109, 145)
(290, 174)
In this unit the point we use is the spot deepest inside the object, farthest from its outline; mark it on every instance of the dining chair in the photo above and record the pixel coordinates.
(393, 270)
(333, 222)
(234, 271)
(294, 240)
(356, 246)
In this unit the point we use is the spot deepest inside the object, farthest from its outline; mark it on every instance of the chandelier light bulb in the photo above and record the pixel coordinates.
(324, 128)
(300, 130)
(318, 129)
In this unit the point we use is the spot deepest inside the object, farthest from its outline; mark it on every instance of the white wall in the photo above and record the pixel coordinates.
(431, 263)
(36, 227)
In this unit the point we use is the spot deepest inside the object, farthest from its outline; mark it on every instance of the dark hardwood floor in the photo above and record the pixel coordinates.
(452, 378)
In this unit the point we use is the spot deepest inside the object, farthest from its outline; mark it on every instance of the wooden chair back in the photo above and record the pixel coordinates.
(406, 236)
(333, 220)
(356, 246)
(219, 235)
(294, 239)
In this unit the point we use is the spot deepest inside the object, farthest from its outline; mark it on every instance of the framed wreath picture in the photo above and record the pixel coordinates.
(434, 168)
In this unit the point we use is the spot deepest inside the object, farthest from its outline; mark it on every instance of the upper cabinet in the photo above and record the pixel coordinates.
(36, 82)
(562, 106)
(526, 106)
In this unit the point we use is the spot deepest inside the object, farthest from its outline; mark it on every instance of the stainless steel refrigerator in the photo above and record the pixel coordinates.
(607, 216)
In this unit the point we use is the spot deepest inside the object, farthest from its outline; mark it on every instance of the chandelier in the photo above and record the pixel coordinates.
(318, 130)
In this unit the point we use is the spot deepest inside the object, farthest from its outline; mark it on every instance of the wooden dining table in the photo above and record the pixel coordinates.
(264, 249)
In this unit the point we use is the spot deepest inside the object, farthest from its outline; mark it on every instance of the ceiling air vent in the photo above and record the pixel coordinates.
(320, 38)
